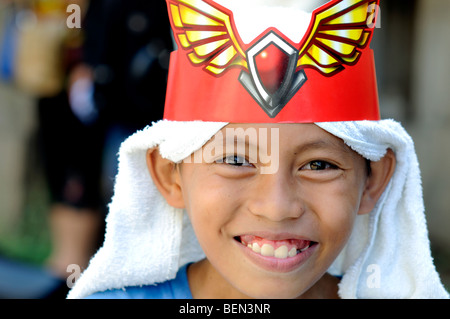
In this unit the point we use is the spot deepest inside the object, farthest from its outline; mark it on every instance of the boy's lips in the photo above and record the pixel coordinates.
(281, 255)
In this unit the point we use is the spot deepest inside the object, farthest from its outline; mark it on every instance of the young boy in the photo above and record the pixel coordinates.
(271, 175)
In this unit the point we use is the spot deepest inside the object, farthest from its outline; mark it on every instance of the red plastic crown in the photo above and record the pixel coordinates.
(328, 76)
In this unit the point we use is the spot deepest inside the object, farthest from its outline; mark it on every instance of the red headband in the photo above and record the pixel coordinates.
(328, 76)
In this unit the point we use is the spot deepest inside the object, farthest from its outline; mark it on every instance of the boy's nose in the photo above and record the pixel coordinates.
(276, 197)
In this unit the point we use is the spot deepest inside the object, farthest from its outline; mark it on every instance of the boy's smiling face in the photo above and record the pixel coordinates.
(270, 232)
(300, 217)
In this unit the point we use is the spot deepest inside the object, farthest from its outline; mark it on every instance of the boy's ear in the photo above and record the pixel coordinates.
(166, 177)
(380, 175)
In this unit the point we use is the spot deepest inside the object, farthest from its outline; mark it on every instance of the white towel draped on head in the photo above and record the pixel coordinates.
(146, 240)
(393, 238)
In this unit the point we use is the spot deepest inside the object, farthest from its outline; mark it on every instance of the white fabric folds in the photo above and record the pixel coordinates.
(146, 240)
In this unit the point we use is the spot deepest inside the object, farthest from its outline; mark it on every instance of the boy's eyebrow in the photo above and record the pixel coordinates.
(323, 143)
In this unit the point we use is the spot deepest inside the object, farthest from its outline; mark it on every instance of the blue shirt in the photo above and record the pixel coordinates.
(177, 288)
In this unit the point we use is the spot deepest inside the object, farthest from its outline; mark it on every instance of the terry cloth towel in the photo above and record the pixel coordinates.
(146, 240)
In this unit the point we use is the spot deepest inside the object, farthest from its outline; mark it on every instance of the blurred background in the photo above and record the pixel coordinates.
(69, 96)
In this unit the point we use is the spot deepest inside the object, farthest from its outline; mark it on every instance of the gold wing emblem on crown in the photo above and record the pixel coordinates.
(338, 33)
(208, 35)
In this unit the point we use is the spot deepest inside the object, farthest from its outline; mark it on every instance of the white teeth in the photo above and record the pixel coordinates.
(302, 250)
(256, 248)
(292, 252)
(267, 250)
(281, 252)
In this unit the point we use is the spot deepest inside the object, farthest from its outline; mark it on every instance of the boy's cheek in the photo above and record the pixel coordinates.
(337, 226)
(335, 213)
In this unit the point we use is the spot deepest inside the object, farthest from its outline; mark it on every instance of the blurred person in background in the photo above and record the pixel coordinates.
(125, 63)
(93, 85)
(71, 147)
(115, 89)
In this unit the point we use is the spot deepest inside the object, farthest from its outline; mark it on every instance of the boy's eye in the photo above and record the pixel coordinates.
(235, 160)
(318, 166)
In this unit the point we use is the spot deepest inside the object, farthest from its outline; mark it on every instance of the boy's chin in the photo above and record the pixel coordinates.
(276, 295)
(279, 291)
